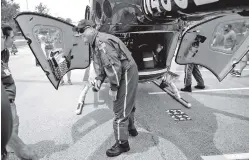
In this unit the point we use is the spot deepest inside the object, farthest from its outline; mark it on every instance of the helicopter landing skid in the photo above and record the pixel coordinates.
(175, 94)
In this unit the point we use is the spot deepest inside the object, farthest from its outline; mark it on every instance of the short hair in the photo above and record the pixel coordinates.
(6, 30)
(229, 26)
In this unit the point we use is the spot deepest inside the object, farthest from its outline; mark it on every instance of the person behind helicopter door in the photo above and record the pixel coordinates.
(193, 68)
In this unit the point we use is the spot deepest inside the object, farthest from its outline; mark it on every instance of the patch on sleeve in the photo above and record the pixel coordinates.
(102, 46)
(7, 72)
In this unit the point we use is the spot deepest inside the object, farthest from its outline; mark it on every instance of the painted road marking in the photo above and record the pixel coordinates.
(208, 90)
(205, 70)
(244, 156)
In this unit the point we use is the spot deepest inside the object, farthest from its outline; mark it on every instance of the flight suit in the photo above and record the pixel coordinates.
(10, 88)
(113, 60)
(193, 69)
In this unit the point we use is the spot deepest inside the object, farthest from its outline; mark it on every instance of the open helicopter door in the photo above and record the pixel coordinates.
(54, 44)
(216, 44)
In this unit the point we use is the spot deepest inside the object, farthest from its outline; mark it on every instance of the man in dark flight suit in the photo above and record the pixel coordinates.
(115, 62)
(21, 150)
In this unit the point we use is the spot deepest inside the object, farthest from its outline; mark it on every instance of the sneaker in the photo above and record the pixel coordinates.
(62, 83)
(187, 89)
(69, 82)
(79, 108)
(233, 72)
(237, 74)
(133, 132)
(163, 84)
(200, 87)
(118, 148)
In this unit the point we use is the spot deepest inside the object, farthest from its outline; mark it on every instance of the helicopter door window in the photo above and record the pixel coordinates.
(229, 36)
(50, 41)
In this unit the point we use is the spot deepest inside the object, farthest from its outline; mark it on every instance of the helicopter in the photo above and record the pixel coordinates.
(155, 31)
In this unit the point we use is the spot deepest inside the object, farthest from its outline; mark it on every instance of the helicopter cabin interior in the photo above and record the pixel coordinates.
(149, 50)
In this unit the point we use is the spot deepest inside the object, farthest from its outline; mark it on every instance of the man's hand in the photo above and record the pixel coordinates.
(21, 150)
(113, 94)
(27, 153)
(96, 85)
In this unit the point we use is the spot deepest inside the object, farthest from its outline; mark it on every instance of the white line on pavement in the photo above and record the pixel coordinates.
(208, 90)
(205, 70)
(244, 156)
(20, 40)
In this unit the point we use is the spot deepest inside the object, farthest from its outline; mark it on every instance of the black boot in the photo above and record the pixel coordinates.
(163, 85)
(133, 132)
(187, 89)
(200, 87)
(118, 148)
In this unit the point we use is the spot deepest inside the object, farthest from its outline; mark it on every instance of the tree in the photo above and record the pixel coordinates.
(9, 10)
(69, 20)
(42, 8)
(61, 18)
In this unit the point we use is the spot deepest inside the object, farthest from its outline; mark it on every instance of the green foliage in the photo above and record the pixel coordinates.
(9, 10)
(42, 8)
(69, 20)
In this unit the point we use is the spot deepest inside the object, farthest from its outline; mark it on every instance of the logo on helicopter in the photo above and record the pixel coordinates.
(169, 5)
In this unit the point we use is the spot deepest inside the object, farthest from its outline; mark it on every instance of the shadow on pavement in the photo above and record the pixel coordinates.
(193, 138)
(47, 148)
(226, 95)
(100, 116)
(32, 81)
(140, 144)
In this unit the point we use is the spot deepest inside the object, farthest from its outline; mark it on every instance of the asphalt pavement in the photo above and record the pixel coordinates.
(218, 128)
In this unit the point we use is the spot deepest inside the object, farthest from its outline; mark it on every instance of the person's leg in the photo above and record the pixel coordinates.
(36, 62)
(131, 127)
(69, 78)
(198, 77)
(243, 64)
(188, 78)
(123, 109)
(120, 123)
(242, 67)
(62, 82)
(131, 119)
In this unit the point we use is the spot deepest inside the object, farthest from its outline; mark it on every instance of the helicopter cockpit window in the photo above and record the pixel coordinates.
(107, 8)
(229, 36)
(98, 10)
